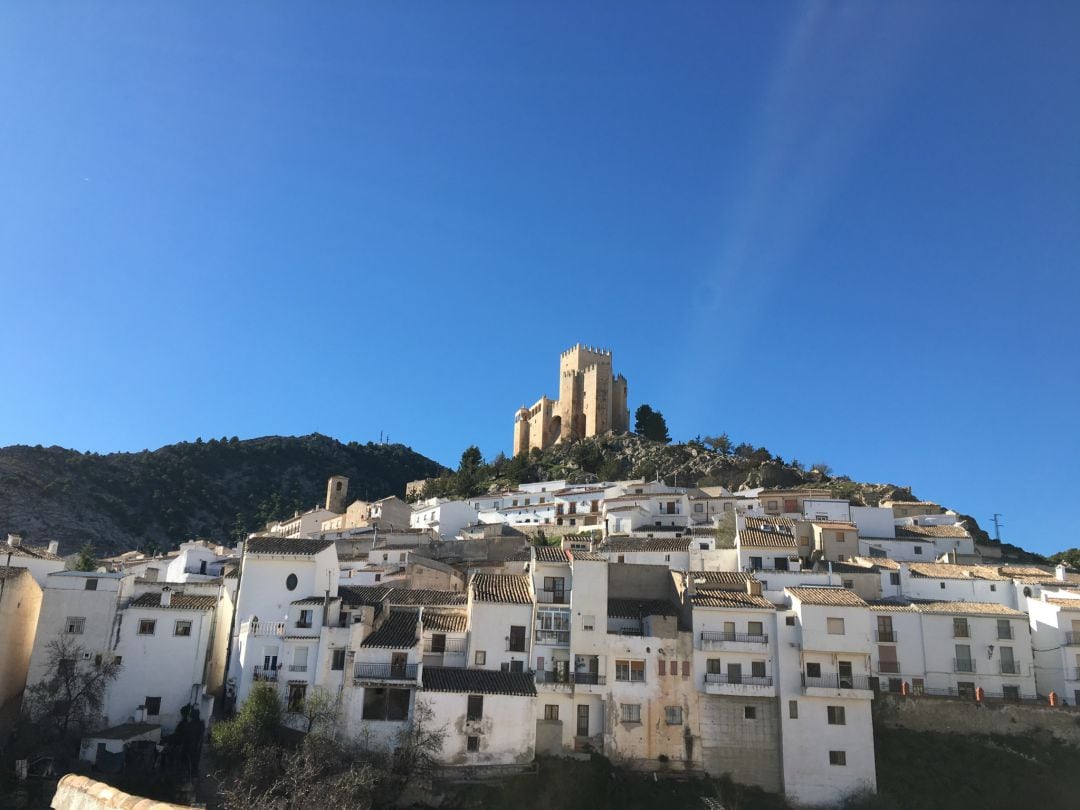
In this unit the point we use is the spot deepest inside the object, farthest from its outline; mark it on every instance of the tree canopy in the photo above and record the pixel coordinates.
(651, 424)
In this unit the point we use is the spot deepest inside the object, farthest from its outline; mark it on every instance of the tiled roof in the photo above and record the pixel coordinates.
(550, 554)
(179, 601)
(28, 551)
(587, 556)
(639, 608)
(478, 681)
(768, 522)
(312, 600)
(398, 631)
(1026, 571)
(978, 608)
(890, 606)
(881, 562)
(919, 532)
(363, 594)
(951, 571)
(506, 588)
(12, 571)
(425, 596)
(579, 538)
(832, 597)
(834, 524)
(731, 599)
(1068, 604)
(652, 544)
(756, 538)
(844, 568)
(445, 622)
(285, 545)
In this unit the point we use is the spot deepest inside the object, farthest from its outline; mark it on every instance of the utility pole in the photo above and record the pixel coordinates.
(997, 526)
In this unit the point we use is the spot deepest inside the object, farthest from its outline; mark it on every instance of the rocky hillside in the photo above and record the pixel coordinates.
(215, 489)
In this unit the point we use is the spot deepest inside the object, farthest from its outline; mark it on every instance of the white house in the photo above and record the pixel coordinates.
(766, 544)
(40, 562)
(1055, 638)
(445, 517)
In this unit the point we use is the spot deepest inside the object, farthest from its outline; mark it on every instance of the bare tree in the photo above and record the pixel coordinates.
(69, 700)
(320, 710)
(420, 742)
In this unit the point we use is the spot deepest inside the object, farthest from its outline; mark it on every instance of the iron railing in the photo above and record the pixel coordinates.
(546, 597)
(720, 636)
(745, 680)
(833, 680)
(297, 667)
(452, 645)
(384, 672)
(963, 665)
(886, 636)
(264, 674)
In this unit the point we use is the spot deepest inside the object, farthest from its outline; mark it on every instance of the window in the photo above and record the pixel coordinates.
(75, 625)
(438, 642)
(517, 666)
(622, 558)
(386, 704)
(918, 549)
(839, 537)
(790, 620)
(517, 638)
(959, 627)
(588, 622)
(146, 627)
(771, 505)
(813, 670)
(749, 712)
(475, 709)
(153, 706)
(793, 709)
(837, 716)
(836, 626)
(631, 712)
(1004, 628)
(894, 579)
(918, 686)
(91, 585)
(117, 659)
(305, 619)
(291, 582)
(993, 587)
(628, 670)
(472, 744)
(480, 658)
(838, 757)
(551, 711)
(667, 558)
(182, 628)
(297, 693)
(757, 669)
(699, 507)
(849, 584)
(755, 629)
(703, 546)
(673, 715)
(337, 660)
(755, 562)
(1010, 692)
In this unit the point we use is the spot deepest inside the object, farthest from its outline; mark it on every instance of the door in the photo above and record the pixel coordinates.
(729, 631)
(1008, 663)
(734, 673)
(583, 720)
(884, 628)
(398, 662)
(517, 638)
(843, 669)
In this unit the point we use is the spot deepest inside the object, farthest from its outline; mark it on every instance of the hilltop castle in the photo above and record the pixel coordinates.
(591, 401)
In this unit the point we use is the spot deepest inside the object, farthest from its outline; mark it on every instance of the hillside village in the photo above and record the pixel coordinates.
(671, 629)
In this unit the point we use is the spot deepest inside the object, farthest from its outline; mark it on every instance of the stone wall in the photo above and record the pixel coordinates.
(81, 793)
(969, 717)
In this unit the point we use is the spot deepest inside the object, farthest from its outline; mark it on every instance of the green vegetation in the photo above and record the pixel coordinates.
(651, 424)
(1070, 557)
(218, 489)
(85, 560)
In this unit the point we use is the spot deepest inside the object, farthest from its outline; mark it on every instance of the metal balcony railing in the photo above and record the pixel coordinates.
(1072, 639)
(553, 597)
(833, 680)
(452, 645)
(557, 638)
(720, 636)
(583, 678)
(589, 678)
(304, 625)
(1005, 634)
(297, 667)
(263, 674)
(1009, 668)
(887, 636)
(963, 665)
(745, 680)
(384, 672)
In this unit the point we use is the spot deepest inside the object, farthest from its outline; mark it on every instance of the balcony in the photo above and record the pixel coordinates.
(553, 638)
(451, 645)
(546, 597)
(963, 665)
(383, 672)
(1009, 667)
(1072, 639)
(1005, 634)
(297, 667)
(829, 684)
(570, 679)
(716, 640)
(887, 636)
(889, 667)
(722, 683)
(265, 674)
(263, 629)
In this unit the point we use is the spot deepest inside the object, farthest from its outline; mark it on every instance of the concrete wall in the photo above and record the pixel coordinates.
(506, 731)
(81, 793)
(748, 750)
(967, 717)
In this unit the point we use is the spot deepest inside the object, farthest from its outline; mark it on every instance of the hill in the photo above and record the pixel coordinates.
(217, 489)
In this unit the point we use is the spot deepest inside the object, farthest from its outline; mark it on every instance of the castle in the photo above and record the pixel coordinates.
(591, 401)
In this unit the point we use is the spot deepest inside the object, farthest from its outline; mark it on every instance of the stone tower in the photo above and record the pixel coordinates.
(591, 401)
(337, 488)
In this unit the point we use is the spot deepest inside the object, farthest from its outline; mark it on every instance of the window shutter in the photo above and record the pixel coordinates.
(660, 663)
(686, 669)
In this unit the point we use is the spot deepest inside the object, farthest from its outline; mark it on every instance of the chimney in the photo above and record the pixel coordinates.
(54, 546)
(14, 540)
(166, 596)
(1060, 572)
(753, 586)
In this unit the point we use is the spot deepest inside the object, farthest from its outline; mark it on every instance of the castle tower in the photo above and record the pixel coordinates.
(337, 488)
(591, 401)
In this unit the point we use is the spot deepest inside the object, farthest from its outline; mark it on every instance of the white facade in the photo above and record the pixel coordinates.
(447, 518)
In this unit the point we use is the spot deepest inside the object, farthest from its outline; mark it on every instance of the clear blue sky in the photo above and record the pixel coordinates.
(847, 232)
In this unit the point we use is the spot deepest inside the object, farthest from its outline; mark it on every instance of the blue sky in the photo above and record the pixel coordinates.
(847, 232)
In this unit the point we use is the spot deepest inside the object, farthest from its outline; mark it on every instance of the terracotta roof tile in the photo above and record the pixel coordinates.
(425, 596)
(1068, 604)
(978, 608)
(587, 556)
(478, 681)
(731, 599)
(285, 545)
(832, 597)
(179, 601)
(397, 631)
(920, 532)
(767, 522)
(445, 622)
(720, 579)
(834, 524)
(756, 538)
(640, 608)
(12, 571)
(647, 545)
(505, 588)
(29, 552)
(551, 554)
(952, 571)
